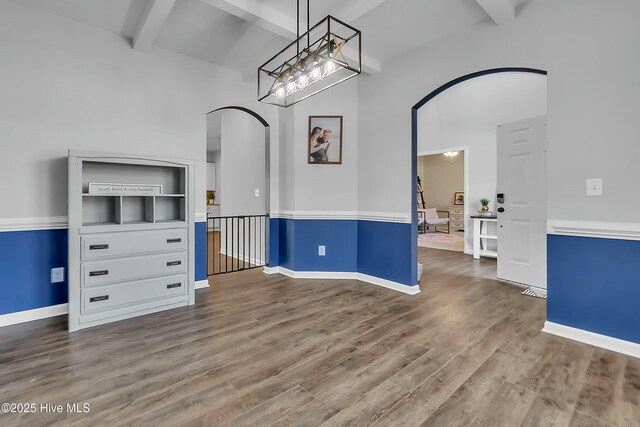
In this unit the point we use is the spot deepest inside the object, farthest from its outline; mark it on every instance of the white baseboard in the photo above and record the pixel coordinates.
(35, 314)
(410, 290)
(602, 341)
(201, 284)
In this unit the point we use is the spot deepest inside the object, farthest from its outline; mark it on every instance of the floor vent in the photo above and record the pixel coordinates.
(537, 293)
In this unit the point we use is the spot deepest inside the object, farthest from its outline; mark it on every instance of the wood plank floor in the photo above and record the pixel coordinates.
(260, 350)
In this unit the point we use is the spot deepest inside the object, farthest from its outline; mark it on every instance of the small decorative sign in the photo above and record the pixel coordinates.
(124, 189)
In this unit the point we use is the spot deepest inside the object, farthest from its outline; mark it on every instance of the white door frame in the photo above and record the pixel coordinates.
(465, 150)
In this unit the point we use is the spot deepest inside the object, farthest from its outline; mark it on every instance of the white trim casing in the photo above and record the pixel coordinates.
(34, 223)
(596, 229)
(201, 284)
(201, 217)
(35, 314)
(344, 215)
(410, 290)
(592, 338)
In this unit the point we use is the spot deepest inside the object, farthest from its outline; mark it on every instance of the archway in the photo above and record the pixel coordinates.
(240, 240)
(414, 143)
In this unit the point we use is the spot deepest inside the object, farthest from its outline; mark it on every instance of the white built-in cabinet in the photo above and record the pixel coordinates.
(130, 252)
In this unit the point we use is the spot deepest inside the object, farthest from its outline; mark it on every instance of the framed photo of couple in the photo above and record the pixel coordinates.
(325, 140)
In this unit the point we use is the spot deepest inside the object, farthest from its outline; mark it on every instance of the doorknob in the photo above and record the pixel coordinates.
(500, 210)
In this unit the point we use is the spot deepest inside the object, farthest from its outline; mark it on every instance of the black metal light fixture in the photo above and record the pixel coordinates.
(330, 54)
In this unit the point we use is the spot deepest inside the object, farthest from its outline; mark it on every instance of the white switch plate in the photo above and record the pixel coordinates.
(594, 187)
(257, 192)
(321, 250)
(57, 275)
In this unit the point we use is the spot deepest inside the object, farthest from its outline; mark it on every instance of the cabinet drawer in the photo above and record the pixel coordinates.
(96, 273)
(456, 211)
(457, 217)
(107, 297)
(120, 244)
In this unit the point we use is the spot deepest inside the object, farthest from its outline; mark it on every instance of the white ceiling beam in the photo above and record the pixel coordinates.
(281, 24)
(353, 11)
(502, 12)
(151, 23)
(259, 14)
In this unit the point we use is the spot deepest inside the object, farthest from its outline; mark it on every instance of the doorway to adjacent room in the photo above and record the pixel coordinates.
(466, 115)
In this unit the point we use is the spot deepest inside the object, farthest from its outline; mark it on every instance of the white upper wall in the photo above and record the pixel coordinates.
(589, 48)
(66, 85)
(242, 165)
(323, 187)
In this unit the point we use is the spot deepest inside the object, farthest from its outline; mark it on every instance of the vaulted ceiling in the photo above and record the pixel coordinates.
(242, 34)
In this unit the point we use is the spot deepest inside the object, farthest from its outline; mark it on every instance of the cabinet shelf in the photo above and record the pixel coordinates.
(488, 236)
(131, 195)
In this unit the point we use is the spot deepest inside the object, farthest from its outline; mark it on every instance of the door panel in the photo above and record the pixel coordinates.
(522, 229)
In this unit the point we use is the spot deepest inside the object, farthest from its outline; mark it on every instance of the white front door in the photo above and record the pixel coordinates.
(522, 216)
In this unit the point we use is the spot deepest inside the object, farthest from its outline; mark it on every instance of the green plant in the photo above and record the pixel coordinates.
(484, 202)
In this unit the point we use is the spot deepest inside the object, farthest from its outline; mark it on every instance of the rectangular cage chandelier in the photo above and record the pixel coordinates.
(327, 54)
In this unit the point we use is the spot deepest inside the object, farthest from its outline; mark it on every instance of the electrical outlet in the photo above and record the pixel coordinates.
(321, 250)
(57, 275)
(594, 187)
(257, 192)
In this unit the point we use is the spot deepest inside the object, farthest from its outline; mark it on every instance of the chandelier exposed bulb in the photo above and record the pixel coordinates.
(330, 67)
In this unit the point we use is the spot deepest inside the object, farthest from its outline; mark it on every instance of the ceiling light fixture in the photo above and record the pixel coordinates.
(451, 154)
(294, 74)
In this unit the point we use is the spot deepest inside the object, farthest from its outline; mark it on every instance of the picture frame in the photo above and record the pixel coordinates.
(325, 140)
(458, 198)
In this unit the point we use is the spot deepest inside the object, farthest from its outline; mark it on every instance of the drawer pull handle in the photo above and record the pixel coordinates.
(172, 263)
(174, 285)
(100, 298)
(174, 240)
(98, 247)
(98, 273)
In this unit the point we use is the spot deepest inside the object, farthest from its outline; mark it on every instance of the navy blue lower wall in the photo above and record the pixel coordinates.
(384, 250)
(380, 249)
(201, 250)
(26, 260)
(298, 241)
(593, 284)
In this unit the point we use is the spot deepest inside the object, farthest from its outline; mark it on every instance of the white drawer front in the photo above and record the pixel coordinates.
(105, 272)
(120, 244)
(107, 297)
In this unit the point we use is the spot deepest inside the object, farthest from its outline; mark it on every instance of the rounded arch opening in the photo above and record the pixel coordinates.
(414, 144)
(239, 240)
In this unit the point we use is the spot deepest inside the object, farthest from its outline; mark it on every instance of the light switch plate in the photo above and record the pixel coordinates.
(321, 250)
(594, 187)
(57, 275)
(257, 192)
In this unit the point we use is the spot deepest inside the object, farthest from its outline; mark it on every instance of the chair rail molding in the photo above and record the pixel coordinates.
(344, 215)
(596, 229)
(34, 223)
